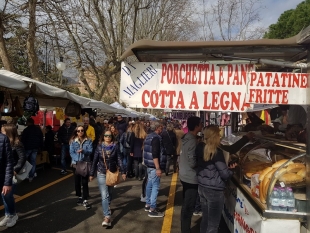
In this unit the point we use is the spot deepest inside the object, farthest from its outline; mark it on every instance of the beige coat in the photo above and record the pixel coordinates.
(179, 133)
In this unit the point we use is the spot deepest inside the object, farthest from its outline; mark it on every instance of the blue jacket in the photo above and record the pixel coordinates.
(87, 147)
(214, 173)
(113, 160)
(6, 162)
(147, 152)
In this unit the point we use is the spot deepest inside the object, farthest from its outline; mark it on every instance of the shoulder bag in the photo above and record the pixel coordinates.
(112, 178)
(23, 173)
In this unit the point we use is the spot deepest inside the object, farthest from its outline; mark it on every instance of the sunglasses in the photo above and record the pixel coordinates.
(108, 136)
(80, 131)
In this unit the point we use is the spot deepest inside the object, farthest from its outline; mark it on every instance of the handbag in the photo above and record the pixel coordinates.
(112, 178)
(82, 167)
(23, 173)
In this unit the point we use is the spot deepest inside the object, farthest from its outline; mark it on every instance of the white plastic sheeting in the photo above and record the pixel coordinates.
(49, 95)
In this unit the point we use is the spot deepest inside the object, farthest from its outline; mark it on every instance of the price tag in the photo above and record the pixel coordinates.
(282, 184)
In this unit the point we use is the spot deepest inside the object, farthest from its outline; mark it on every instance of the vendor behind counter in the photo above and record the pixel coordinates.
(291, 123)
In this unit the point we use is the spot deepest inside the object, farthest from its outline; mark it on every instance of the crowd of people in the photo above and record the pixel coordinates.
(139, 149)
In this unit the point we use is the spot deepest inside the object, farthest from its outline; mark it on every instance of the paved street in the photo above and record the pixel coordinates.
(48, 204)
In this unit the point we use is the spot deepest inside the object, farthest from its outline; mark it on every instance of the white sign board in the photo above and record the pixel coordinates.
(278, 88)
(185, 86)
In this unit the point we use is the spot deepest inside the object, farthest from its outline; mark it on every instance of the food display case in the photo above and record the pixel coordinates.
(267, 192)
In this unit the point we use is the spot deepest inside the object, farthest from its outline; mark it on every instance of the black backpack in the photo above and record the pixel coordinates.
(31, 104)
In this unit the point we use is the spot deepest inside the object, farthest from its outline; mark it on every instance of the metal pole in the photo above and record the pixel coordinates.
(45, 65)
(308, 148)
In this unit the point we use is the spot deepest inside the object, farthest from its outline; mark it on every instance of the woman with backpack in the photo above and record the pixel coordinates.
(125, 142)
(169, 142)
(136, 148)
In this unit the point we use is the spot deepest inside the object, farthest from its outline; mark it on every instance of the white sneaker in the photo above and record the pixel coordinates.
(12, 220)
(106, 222)
(142, 199)
(4, 221)
(197, 213)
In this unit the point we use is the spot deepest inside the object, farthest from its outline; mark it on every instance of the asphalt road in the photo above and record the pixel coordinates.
(48, 204)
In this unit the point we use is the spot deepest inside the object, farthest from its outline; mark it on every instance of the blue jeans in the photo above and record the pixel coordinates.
(124, 160)
(212, 203)
(31, 156)
(198, 204)
(106, 194)
(64, 149)
(152, 188)
(8, 202)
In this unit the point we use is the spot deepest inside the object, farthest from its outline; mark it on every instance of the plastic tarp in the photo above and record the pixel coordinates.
(260, 107)
(139, 114)
(126, 113)
(48, 95)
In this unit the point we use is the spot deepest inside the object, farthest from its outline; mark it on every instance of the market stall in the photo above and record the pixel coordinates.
(46, 94)
(48, 98)
(236, 76)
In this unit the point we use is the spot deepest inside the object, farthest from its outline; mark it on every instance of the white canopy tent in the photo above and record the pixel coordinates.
(139, 114)
(126, 112)
(48, 95)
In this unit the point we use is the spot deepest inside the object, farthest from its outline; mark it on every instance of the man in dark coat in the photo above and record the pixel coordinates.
(32, 138)
(64, 134)
(121, 125)
(49, 141)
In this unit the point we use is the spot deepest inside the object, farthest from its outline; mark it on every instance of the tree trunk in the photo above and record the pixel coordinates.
(3, 51)
(32, 56)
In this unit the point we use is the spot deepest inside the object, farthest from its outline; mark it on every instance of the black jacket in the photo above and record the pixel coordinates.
(169, 139)
(64, 134)
(6, 162)
(113, 160)
(19, 157)
(32, 138)
(49, 140)
(121, 126)
(214, 173)
(136, 146)
(234, 148)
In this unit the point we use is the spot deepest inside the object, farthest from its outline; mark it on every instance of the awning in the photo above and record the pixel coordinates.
(126, 113)
(278, 50)
(46, 94)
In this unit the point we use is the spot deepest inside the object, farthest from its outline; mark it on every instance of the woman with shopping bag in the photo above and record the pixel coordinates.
(80, 151)
(108, 165)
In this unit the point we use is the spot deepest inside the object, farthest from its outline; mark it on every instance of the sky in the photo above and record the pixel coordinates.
(274, 8)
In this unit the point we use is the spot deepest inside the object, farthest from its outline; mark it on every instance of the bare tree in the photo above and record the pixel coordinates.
(4, 21)
(95, 33)
(231, 20)
(32, 53)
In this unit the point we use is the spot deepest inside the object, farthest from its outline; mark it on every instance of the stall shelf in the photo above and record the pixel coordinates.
(245, 212)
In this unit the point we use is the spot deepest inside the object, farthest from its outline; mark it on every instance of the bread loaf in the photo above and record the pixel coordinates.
(291, 178)
(279, 163)
(295, 167)
(264, 172)
(281, 172)
(302, 172)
